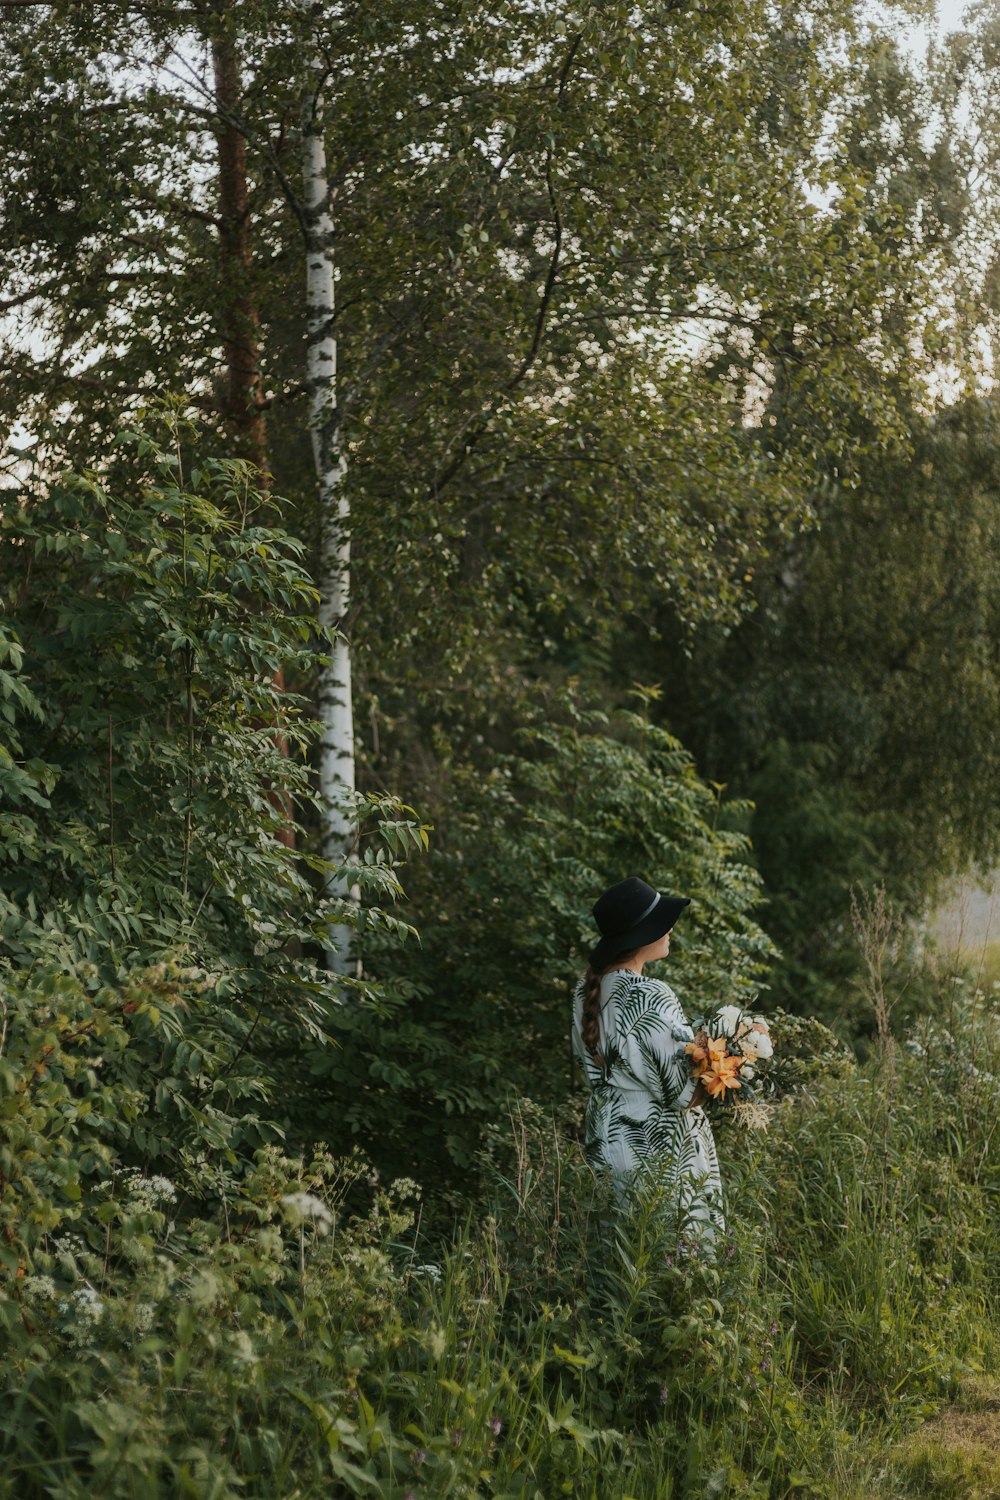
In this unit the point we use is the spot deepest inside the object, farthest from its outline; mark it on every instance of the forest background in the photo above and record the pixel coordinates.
(655, 408)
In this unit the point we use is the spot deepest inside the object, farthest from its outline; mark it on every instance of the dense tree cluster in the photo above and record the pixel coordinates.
(455, 456)
(645, 318)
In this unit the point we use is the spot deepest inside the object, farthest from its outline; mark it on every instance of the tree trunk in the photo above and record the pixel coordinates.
(242, 395)
(242, 398)
(336, 756)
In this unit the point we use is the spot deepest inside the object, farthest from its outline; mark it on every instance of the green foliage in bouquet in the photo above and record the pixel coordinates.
(503, 904)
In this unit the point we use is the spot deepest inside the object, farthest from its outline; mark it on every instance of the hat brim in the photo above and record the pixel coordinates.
(660, 920)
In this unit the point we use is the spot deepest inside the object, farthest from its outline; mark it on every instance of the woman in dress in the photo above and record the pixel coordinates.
(644, 1121)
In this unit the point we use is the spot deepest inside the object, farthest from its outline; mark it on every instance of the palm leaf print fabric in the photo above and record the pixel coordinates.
(637, 1124)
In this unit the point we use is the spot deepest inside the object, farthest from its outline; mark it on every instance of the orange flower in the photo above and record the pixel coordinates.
(715, 1046)
(723, 1078)
(698, 1055)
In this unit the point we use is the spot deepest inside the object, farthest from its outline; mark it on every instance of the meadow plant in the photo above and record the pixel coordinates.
(283, 1322)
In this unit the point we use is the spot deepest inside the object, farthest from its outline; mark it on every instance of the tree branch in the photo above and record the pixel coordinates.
(479, 425)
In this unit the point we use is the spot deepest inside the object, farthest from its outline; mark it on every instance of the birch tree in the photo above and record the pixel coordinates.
(336, 748)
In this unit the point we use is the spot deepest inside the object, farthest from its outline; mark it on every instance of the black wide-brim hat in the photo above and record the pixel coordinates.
(630, 915)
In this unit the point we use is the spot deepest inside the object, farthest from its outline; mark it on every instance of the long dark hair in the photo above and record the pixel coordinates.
(592, 1004)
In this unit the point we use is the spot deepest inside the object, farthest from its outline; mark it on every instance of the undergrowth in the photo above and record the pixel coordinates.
(285, 1325)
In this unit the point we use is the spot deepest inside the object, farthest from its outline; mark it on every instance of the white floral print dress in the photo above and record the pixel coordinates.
(637, 1124)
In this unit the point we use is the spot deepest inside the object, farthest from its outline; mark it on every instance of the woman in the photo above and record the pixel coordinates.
(644, 1121)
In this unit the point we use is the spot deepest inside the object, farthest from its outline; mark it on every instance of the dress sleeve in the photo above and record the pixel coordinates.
(661, 1047)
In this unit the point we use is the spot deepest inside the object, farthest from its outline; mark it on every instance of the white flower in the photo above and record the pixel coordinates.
(763, 1045)
(242, 1348)
(39, 1289)
(69, 1244)
(142, 1316)
(434, 1272)
(147, 1192)
(728, 1019)
(84, 1309)
(748, 1071)
(304, 1206)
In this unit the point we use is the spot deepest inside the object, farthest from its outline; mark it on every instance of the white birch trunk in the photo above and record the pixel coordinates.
(336, 758)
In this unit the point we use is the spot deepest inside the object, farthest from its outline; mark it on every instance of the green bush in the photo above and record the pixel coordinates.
(286, 1327)
(193, 1305)
(503, 904)
(151, 767)
(148, 623)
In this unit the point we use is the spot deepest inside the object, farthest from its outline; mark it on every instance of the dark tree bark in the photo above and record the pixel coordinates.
(243, 397)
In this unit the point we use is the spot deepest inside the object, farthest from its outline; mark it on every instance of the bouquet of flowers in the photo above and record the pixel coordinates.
(730, 1053)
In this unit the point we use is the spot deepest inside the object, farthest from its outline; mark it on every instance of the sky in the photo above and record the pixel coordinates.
(949, 13)
(948, 17)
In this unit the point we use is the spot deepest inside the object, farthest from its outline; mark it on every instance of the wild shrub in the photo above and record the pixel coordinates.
(272, 1337)
(155, 785)
(503, 903)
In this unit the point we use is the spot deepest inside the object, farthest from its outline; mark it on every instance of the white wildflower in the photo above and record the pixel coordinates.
(88, 1303)
(304, 1207)
(69, 1244)
(430, 1270)
(242, 1348)
(147, 1192)
(142, 1316)
(83, 1310)
(39, 1289)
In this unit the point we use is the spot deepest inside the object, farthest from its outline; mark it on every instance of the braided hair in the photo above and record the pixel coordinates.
(592, 1004)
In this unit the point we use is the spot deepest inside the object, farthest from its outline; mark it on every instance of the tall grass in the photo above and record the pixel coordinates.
(298, 1345)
